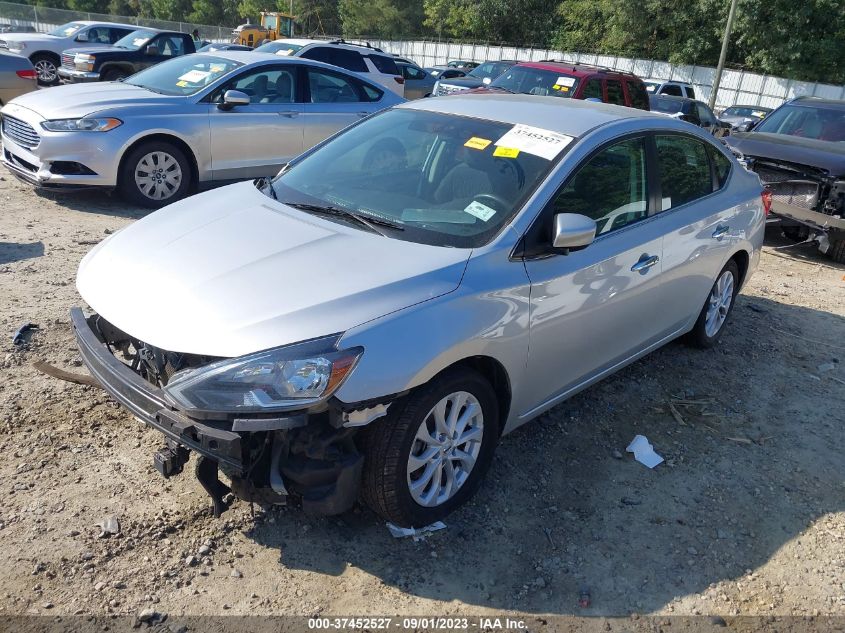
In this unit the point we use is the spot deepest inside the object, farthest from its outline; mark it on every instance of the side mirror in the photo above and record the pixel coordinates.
(746, 126)
(232, 98)
(573, 230)
(82, 37)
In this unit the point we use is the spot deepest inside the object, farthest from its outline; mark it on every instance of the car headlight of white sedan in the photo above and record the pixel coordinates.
(16, 46)
(284, 378)
(84, 124)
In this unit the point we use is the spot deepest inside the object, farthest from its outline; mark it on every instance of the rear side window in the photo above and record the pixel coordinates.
(614, 92)
(672, 90)
(328, 87)
(350, 60)
(722, 165)
(592, 89)
(639, 95)
(684, 170)
(384, 64)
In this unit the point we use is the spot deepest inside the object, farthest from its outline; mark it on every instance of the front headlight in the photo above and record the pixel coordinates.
(83, 61)
(81, 125)
(284, 378)
(16, 46)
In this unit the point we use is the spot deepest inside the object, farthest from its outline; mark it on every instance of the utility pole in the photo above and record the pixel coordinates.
(723, 54)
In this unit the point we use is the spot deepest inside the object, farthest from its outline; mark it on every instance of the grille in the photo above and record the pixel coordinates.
(20, 132)
(67, 60)
(788, 189)
(447, 90)
(3, 44)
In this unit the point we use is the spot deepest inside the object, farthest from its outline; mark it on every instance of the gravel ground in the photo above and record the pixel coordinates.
(746, 517)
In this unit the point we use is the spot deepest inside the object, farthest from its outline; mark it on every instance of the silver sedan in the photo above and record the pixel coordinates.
(17, 77)
(185, 123)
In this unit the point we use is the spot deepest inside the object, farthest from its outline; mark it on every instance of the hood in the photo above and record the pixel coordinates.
(28, 37)
(793, 149)
(93, 50)
(231, 271)
(464, 82)
(78, 100)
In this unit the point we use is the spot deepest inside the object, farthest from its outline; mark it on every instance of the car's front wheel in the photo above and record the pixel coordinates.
(427, 458)
(155, 174)
(46, 69)
(713, 316)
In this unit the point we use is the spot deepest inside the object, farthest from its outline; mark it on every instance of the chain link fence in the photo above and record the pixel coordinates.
(45, 19)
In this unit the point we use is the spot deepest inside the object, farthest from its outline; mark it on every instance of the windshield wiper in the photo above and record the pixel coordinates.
(369, 221)
(265, 185)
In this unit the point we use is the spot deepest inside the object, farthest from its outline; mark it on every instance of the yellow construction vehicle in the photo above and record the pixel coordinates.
(273, 26)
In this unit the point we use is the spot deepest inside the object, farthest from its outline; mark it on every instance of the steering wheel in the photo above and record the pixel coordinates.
(498, 203)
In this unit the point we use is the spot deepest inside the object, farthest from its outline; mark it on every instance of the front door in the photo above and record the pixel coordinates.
(257, 139)
(333, 101)
(594, 308)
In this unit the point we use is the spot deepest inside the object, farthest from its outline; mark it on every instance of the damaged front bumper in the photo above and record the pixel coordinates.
(310, 454)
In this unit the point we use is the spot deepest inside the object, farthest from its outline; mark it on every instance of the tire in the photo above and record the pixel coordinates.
(796, 233)
(47, 68)
(114, 75)
(389, 441)
(837, 251)
(703, 334)
(163, 190)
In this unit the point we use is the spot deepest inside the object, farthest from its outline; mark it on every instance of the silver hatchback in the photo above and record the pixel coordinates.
(371, 321)
(184, 123)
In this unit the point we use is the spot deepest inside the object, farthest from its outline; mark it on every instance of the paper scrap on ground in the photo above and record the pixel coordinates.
(643, 451)
(534, 140)
(416, 533)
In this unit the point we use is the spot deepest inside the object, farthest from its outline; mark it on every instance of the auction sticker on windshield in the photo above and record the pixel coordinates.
(194, 76)
(534, 140)
(477, 143)
(481, 211)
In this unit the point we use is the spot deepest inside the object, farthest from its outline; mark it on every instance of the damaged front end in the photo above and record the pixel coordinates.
(804, 196)
(267, 420)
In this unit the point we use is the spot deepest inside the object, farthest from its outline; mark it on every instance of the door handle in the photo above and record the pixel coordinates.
(721, 231)
(363, 114)
(646, 262)
(289, 113)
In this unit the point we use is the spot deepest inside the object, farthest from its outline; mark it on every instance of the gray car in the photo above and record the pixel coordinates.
(183, 123)
(17, 77)
(371, 321)
(418, 83)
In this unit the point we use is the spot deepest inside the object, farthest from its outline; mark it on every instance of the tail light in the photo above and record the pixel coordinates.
(27, 74)
(766, 196)
(399, 80)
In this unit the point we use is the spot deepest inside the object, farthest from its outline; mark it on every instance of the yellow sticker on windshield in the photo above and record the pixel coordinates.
(181, 84)
(555, 87)
(477, 143)
(506, 152)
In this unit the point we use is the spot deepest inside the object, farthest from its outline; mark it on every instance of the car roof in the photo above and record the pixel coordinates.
(666, 82)
(579, 70)
(753, 107)
(134, 27)
(673, 98)
(298, 41)
(829, 103)
(572, 117)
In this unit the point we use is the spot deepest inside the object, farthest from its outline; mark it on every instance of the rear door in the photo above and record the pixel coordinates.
(334, 100)
(257, 139)
(594, 308)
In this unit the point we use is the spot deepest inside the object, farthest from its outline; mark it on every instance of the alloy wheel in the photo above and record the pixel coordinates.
(46, 71)
(445, 449)
(719, 303)
(158, 175)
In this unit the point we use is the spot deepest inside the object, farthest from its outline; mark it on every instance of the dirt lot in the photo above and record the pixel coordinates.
(747, 515)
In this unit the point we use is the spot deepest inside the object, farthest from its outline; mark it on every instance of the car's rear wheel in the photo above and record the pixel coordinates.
(155, 174)
(46, 69)
(837, 251)
(427, 458)
(711, 321)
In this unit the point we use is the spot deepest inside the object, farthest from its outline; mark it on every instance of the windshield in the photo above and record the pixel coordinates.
(667, 106)
(806, 121)
(489, 70)
(66, 30)
(279, 47)
(533, 81)
(183, 75)
(747, 111)
(135, 40)
(444, 180)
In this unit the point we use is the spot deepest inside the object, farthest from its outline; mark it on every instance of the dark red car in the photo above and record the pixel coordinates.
(574, 81)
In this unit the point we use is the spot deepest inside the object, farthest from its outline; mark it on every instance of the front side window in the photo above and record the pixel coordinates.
(722, 165)
(169, 45)
(489, 70)
(442, 179)
(614, 92)
(684, 170)
(412, 72)
(592, 89)
(265, 85)
(672, 90)
(184, 75)
(611, 188)
(535, 81)
(806, 121)
(704, 114)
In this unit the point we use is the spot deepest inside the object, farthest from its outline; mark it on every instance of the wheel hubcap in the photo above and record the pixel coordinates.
(445, 449)
(45, 70)
(158, 175)
(719, 303)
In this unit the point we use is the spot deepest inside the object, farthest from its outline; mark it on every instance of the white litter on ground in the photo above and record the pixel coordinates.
(643, 451)
(417, 533)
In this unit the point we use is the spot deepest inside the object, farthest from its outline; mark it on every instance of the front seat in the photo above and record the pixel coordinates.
(461, 183)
